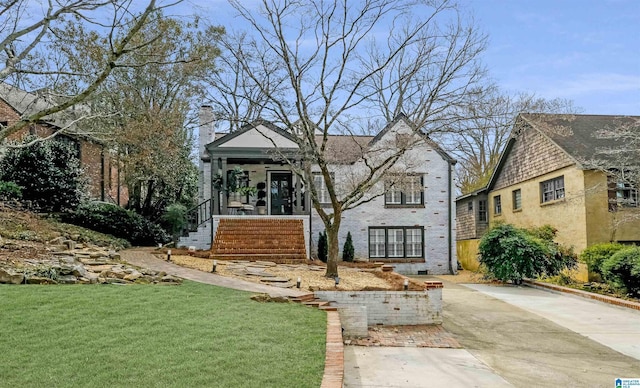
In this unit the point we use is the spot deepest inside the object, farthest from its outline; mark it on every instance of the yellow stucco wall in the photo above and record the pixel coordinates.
(467, 251)
(603, 225)
(567, 215)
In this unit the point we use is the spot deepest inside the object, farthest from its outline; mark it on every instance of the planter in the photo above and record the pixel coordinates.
(262, 210)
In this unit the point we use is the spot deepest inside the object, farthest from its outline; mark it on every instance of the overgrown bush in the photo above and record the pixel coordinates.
(348, 252)
(596, 254)
(9, 191)
(48, 172)
(510, 253)
(622, 270)
(116, 221)
(323, 247)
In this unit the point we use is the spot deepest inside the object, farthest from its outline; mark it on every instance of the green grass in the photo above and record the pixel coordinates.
(145, 336)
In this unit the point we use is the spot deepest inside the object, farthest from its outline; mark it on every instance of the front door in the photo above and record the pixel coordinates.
(281, 193)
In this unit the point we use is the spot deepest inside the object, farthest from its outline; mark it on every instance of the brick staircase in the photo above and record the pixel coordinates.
(277, 240)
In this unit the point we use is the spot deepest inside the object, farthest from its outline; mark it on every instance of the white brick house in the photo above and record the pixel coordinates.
(410, 225)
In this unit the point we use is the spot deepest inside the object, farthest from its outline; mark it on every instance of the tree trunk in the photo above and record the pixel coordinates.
(332, 257)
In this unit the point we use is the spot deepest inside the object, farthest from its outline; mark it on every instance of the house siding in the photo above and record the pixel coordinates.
(532, 155)
(96, 170)
(434, 218)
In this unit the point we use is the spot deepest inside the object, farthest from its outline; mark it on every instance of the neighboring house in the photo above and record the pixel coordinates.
(410, 225)
(546, 175)
(100, 165)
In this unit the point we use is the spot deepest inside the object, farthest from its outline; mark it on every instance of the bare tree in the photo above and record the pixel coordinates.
(236, 98)
(34, 47)
(619, 159)
(334, 57)
(483, 128)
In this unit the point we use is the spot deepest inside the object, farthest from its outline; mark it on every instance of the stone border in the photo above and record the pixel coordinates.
(334, 357)
(584, 294)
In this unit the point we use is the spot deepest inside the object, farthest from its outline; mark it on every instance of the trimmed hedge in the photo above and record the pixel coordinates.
(118, 222)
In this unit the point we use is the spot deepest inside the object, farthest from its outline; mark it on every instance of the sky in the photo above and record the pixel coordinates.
(587, 51)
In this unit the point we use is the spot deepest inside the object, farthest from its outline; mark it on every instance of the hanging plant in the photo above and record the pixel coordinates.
(216, 181)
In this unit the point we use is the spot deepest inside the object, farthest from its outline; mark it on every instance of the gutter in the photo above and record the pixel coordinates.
(449, 219)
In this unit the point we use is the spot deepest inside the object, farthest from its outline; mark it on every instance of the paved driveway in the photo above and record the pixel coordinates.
(519, 336)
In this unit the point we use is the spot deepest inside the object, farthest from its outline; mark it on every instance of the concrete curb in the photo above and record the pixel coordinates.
(334, 358)
(584, 294)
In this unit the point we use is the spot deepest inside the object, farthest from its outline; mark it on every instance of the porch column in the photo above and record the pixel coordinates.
(298, 207)
(223, 201)
(215, 193)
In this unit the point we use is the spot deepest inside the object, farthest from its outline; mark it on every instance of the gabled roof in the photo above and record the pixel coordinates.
(26, 104)
(583, 138)
(340, 149)
(403, 117)
(248, 127)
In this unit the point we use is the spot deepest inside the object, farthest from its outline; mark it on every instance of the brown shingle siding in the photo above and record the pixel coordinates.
(532, 155)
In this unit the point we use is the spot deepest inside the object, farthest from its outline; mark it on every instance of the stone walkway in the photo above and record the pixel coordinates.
(142, 257)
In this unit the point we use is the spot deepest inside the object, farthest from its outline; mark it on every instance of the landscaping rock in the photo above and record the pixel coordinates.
(135, 275)
(67, 279)
(10, 277)
(40, 280)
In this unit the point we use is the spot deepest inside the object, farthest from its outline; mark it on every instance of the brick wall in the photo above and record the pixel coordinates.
(100, 176)
(434, 216)
(392, 307)
(532, 155)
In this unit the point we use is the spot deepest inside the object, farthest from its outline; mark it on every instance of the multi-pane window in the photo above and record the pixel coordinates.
(552, 189)
(622, 194)
(408, 192)
(482, 210)
(393, 196)
(377, 243)
(395, 237)
(517, 199)
(470, 206)
(321, 187)
(413, 242)
(396, 242)
(497, 205)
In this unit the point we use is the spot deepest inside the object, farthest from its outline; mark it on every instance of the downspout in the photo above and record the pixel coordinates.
(449, 218)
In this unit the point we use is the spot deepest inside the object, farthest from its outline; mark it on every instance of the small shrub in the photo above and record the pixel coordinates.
(596, 254)
(174, 218)
(622, 270)
(510, 253)
(323, 247)
(118, 222)
(10, 191)
(348, 251)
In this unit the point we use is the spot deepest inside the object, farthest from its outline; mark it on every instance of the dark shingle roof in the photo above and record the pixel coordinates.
(584, 137)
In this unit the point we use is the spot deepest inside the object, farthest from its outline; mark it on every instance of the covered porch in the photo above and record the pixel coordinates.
(262, 187)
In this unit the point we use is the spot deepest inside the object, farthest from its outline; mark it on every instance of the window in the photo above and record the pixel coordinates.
(470, 206)
(321, 187)
(621, 194)
(408, 192)
(396, 242)
(497, 205)
(395, 237)
(517, 199)
(377, 246)
(552, 190)
(482, 210)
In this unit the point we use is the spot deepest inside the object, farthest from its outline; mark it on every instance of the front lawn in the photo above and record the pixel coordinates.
(141, 336)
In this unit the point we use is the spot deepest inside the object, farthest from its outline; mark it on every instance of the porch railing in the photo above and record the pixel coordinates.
(197, 216)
